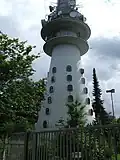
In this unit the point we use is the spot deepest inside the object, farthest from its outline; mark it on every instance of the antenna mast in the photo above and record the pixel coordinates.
(66, 4)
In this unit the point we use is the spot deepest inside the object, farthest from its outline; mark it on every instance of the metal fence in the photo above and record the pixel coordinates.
(89, 143)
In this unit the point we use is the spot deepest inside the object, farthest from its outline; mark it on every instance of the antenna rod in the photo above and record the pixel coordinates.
(65, 3)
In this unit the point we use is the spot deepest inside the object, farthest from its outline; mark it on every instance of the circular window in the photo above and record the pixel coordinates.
(54, 70)
(68, 68)
(52, 79)
(51, 89)
(70, 87)
(47, 111)
(78, 34)
(44, 124)
(69, 78)
(85, 90)
(49, 100)
(83, 80)
(88, 101)
(91, 112)
(70, 98)
(81, 70)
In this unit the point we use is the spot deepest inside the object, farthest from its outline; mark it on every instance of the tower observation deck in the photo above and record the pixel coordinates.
(65, 34)
(65, 25)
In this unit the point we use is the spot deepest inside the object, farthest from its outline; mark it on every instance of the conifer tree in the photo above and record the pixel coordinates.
(102, 117)
(71, 140)
(76, 115)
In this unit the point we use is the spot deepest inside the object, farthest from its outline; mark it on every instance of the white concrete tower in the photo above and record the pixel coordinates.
(66, 34)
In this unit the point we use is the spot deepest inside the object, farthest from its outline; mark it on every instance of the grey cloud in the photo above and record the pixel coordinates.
(13, 24)
(104, 56)
(106, 66)
(106, 46)
(103, 67)
(9, 26)
(20, 9)
(41, 66)
(107, 101)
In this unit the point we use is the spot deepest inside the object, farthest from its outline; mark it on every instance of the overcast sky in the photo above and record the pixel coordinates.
(22, 18)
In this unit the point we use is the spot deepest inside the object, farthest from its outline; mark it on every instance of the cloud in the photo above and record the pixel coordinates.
(22, 18)
(109, 47)
(41, 66)
(9, 26)
(105, 57)
(106, 67)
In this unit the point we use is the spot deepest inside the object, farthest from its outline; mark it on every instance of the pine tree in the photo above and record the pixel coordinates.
(72, 140)
(76, 115)
(102, 117)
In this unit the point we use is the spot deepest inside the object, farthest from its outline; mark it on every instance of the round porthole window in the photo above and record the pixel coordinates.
(87, 101)
(47, 111)
(91, 112)
(68, 68)
(70, 98)
(54, 70)
(69, 78)
(45, 124)
(85, 90)
(53, 79)
(49, 100)
(70, 88)
(81, 70)
(51, 89)
(83, 80)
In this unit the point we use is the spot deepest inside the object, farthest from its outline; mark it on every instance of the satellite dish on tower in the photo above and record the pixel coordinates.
(72, 2)
(73, 14)
(60, 12)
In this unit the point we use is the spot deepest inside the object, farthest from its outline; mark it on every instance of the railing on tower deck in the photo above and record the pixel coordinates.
(89, 143)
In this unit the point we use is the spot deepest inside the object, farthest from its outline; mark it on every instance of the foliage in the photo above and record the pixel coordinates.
(102, 117)
(116, 121)
(76, 116)
(65, 139)
(114, 158)
(103, 149)
(20, 97)
(116, 135)
(98, 145)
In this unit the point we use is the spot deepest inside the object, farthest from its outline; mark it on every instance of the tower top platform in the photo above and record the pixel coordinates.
(65, 16)
(67, 23)
(65, 20)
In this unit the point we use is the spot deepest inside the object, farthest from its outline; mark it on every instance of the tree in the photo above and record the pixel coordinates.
(101, 115)
(76, 116)
(24, 101)
(69, 141)
(20, 96)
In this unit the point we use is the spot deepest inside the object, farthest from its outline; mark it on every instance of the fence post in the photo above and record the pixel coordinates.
(26, 146)
(34, 146)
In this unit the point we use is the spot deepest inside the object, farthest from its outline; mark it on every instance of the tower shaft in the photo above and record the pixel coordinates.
(65, 34)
